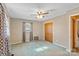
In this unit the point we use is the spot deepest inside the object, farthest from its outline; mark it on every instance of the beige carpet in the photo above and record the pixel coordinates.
(38, 48)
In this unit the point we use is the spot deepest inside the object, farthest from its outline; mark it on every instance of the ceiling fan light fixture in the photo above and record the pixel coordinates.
(39, 16)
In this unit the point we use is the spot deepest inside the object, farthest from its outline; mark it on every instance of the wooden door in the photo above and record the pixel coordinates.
(75, 20)
(49, 32)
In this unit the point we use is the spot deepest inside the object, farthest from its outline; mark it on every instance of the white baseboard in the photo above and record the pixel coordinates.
(16, 43)
(63, 47)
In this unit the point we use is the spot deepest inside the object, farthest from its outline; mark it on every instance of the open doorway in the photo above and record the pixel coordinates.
(27, 32)
(75, 33)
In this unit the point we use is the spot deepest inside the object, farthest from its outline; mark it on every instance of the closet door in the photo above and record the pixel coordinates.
(49, 32)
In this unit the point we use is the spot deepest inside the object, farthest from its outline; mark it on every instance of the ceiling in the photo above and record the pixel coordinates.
(26, 10)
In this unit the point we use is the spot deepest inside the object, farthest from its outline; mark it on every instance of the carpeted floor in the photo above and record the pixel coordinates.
(38, 48)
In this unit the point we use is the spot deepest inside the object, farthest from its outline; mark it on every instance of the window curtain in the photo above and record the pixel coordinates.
(4, 48)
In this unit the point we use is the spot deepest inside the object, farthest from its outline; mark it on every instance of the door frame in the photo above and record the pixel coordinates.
(71, 38)
(52, 30)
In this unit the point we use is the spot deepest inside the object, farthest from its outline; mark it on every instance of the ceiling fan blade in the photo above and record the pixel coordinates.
(46, 13)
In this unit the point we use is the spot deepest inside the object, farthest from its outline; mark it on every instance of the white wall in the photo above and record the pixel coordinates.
(16, 31)
(61, 31)
(38, 30)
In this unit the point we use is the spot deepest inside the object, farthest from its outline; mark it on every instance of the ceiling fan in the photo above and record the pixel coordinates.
(42, 13)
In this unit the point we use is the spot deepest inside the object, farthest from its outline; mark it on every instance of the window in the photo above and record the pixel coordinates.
(27, 27)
